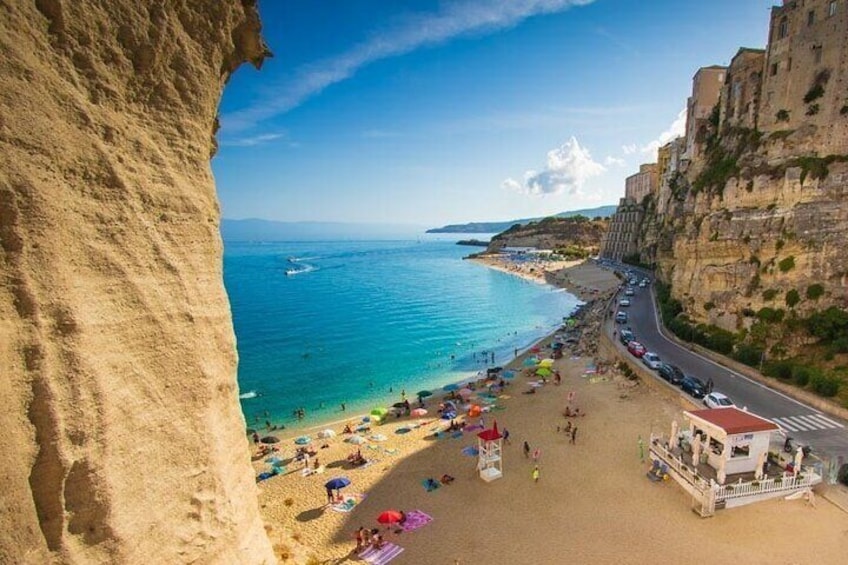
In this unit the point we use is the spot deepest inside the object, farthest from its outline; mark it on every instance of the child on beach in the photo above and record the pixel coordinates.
(526, 449)
(536, 474)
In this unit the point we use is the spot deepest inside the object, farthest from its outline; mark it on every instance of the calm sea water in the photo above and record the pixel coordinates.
(358, 322)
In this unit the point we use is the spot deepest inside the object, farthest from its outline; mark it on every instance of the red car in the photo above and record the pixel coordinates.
(636, 349)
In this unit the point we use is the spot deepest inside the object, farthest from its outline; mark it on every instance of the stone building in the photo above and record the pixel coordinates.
(804, 71)
(643, 183)
(672, 153)
(740, 95)
(622, 237)
(706, 88)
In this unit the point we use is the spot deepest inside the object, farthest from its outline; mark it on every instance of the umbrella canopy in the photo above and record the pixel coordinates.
(378, 437)
(380, 412)
(419, 412)
(508, 374)
(423, 393)
(450, 387)
(448, 415)
(326, 433)
(303, 440)
(543, 372)
(404, 430)
(337, 483)
(546, 362)
(389, 517)
(530, 362)
(474, 411)
(399, 405)
(270, 439)
(465, 392)
(356, 440)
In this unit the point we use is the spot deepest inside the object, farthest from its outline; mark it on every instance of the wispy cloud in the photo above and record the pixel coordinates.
(610, 161)
(253, 140)
(676, 129)
(568, 168)
(455, 19)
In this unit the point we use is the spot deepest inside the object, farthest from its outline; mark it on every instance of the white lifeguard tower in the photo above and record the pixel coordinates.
(490, 450)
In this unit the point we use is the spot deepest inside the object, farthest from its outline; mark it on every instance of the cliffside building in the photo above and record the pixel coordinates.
(622, 237)
(643, 183)
(706, 88)
(805, 69)
(740, 95)
(671, 155)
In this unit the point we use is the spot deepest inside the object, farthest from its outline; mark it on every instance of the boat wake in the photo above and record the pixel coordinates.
(300, 269)
(250, 394)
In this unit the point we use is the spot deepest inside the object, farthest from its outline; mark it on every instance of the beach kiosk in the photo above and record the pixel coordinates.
(732, 441)
(490, 450)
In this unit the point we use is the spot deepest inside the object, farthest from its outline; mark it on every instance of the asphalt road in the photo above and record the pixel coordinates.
(828, 435)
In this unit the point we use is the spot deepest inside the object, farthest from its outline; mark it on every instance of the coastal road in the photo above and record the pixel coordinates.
(828, 435)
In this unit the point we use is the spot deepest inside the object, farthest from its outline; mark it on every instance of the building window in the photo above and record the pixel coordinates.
(773, 70)
(788, 64)
(811, 17)
(783, 29)
(817, 53)
(831, 8)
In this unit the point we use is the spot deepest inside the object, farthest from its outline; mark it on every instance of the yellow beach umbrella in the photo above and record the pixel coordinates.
(546, 362)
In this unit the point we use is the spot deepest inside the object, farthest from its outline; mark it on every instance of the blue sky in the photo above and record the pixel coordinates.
(432, 112)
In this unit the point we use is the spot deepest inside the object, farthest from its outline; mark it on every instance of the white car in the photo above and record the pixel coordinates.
(643, 284)
(624, 302)
(652, 360)
(717, 400)
(629, 292)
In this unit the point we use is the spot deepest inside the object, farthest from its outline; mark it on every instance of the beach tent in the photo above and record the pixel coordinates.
(474, 411)
(508, 374)
(328, 433)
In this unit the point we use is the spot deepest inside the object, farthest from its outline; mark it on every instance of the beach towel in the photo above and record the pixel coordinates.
(430, 484)
(470, 451)
(349, 501)
(456, 435)
(472, 428)
(415, 519)
(381, 556)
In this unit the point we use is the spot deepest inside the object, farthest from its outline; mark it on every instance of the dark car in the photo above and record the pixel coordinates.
(694, 386)
(671, 373)
(626, 337)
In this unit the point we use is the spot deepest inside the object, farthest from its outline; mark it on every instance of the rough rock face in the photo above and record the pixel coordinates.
(122, 437)
(775, 228)
(553, 233)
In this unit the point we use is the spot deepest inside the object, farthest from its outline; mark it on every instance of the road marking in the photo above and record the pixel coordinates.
(818, 421)
(782, 424)
(820, 417)
(799, 425)
(806, 423)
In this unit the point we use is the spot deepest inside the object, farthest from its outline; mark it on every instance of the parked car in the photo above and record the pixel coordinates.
(621, 317)
(717, 400)
(671, 373)
(646, 281)
(694, 386)
(624, 302)
(643, 284)
(626, 337)
(652, 360)
(629, 292)
(636, 349)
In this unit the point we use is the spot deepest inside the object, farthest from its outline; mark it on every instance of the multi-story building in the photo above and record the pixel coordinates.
(621, 239)
(673, 151)
(643, 183)
(805, 71)
(740, 95)
(706, 88)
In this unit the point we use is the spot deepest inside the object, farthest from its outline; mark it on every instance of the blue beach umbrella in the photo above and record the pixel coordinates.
(508, 375)
(303, 440)
(530, 362)
(423, 393)
(450, 387)
(337, 483)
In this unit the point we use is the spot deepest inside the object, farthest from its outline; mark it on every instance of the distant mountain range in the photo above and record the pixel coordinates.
(498, 227)
(268, 230)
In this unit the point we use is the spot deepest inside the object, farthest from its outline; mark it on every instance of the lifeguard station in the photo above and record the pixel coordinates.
(490, 451)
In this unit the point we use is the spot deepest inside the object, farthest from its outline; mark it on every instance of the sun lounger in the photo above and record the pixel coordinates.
(381, 556)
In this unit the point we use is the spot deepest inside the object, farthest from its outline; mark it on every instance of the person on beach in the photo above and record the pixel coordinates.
(574, 435)
(536, 474)
(362, 534)
(255, 437)
(506, 436)
(343, 406)
(536, 454)
(330, 500)
(526, 450)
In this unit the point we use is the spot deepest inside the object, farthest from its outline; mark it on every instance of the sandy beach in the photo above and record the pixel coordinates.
(591, 504)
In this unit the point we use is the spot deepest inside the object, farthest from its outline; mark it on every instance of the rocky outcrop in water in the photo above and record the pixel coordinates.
(123, 440)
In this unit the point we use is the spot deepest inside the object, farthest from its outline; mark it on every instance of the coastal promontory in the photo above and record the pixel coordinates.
(123, 441)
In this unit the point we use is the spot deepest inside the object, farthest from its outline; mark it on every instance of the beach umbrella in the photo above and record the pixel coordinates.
(423, 393)
(419, 412)
(543, 372)
(328, 433)
(448, 415)
(450, 387)
(378, 437)
(356, 440)
(403, 430)
(530, 362)
(399, 405)
(337, 483)
(508, 374)
(474, 411)
(303, 440)
(389, 517)
(274, 461)
(379, 412)
(546, 362)
(465, 392)
(270, 439)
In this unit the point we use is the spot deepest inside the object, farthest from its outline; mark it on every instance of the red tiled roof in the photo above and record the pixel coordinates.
(734, 421)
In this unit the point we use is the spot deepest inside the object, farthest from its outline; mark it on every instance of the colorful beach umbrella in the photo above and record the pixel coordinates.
(389, 517)
(530, 362)
(543, 372)
(303, 440)
(379, 412)
(450, 387)
(419, 412)
(337, 483)
(508, 374)
(328, 433)
(546, 362)
(423, 393)
(356, 440)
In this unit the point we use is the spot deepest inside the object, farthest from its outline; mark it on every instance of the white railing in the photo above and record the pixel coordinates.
(674, 462)
(805, 479)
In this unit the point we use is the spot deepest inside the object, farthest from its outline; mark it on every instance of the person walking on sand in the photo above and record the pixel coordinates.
(526, 450)
(537, 453)
(536, 474)
(506, 436)
(574, 434)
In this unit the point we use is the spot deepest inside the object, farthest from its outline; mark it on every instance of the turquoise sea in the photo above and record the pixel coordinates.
(323, 323)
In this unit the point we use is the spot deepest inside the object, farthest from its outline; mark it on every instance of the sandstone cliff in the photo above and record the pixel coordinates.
(122, 437)
(577, 236)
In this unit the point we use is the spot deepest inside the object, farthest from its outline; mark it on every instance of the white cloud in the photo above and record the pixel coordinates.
(568, 168)
(630, 149)
(676, 129)
(455, 19)
(614, 161)
(253, 140)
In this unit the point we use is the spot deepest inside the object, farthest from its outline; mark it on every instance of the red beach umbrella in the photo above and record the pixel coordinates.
(389, 517)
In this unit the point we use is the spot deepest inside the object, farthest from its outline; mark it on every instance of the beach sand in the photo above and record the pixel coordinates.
(592, 503)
